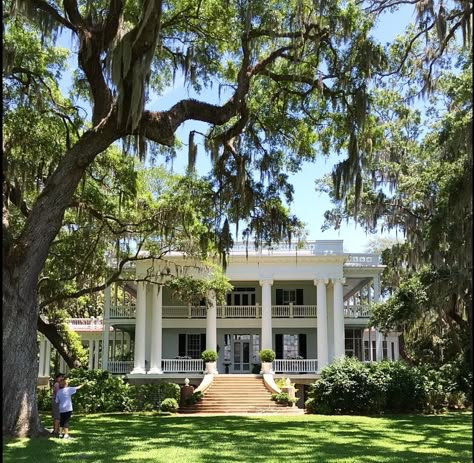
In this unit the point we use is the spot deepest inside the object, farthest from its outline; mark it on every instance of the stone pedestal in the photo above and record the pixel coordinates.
(186, 391)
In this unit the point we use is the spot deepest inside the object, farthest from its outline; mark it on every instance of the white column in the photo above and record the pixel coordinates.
(156, 330)
(322, 323)
(267, 337)
(211, 322)
(339, 350)
(376, 288)
(378, 336)
(107, 303)
(105, 347)
(140, 330)
(41, 356)
(47, 359)
(91, 354)
(378, 345)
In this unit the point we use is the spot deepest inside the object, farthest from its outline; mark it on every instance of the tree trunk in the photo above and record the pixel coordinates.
(20, 359)
(22, 265)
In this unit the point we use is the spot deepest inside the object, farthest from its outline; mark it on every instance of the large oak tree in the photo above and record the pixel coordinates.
(297, 75)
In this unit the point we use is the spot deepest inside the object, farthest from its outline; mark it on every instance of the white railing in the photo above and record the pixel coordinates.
(184, 311)
(122, 311)
(238, 311)
(120, 366)
(304, 311)
(295, 366)
(88, 324)
(363, 259)
(356, 311)
(183, 365)
(280, 311)
(176, 311)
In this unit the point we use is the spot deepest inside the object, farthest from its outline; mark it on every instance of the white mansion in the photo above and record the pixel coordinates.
(309, 305)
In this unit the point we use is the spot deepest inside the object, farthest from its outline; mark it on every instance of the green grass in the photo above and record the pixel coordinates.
(142, 437)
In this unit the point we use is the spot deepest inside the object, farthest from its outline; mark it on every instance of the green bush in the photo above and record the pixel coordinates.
(351, 387)
(169, 405)
(149, 396)
(209, 356)
(284, 399)
(405, 386)
(267, 355)
(348, 387)
(103, 392)
(43, 397)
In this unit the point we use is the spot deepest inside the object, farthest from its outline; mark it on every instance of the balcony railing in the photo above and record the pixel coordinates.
(120, 366)
(123, 311)
(293, 311)
(357, 311)
(182, 365)
(240, 311)
(86, 324)
(295, 366)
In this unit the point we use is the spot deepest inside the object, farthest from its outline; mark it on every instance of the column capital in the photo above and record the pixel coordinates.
(316, 281)
(339, 280)
(266, 281)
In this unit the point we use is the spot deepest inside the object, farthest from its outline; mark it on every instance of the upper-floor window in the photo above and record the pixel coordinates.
(289, 296)
(242, 296)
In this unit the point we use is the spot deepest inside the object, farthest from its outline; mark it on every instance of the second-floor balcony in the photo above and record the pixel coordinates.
(241, 311)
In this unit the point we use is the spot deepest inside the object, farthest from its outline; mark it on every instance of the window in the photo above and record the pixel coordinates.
(290, 345)
(384, 350)
(353, 342)
(193, 345)
(367, 353)
(255, 348)
(241, 296)
(392, 344)
(289, 296)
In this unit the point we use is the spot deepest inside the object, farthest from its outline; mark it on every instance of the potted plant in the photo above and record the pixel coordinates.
(210, 358)
(266, 356)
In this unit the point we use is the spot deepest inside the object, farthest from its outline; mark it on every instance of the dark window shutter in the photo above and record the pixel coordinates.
(279, 297)
(302, 345)
(299, 297)
(203, 342)
(182, 344)
(279, 346)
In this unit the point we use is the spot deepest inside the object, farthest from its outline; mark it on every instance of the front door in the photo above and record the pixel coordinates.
(241, 353)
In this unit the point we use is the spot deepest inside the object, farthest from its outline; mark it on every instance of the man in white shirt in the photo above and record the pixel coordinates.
(64, 399)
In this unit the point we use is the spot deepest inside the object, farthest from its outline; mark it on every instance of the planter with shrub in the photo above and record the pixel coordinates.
(210, 358)
(266, 356)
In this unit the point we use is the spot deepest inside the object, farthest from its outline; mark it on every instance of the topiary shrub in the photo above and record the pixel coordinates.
(169, 405)
(209, 356)
(267, 355)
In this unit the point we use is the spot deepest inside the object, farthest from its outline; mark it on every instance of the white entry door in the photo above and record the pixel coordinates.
(241, 353)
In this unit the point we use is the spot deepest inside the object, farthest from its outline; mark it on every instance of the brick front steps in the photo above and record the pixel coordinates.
(238, 394)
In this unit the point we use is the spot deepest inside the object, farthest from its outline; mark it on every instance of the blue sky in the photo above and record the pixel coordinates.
(308, 205)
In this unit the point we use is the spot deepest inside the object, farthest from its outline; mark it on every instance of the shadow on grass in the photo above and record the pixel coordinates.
(211, 439)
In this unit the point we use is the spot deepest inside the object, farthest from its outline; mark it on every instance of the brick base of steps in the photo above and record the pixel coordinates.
(238, 394)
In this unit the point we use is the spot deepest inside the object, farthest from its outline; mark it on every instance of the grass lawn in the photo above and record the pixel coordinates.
(142, 437)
